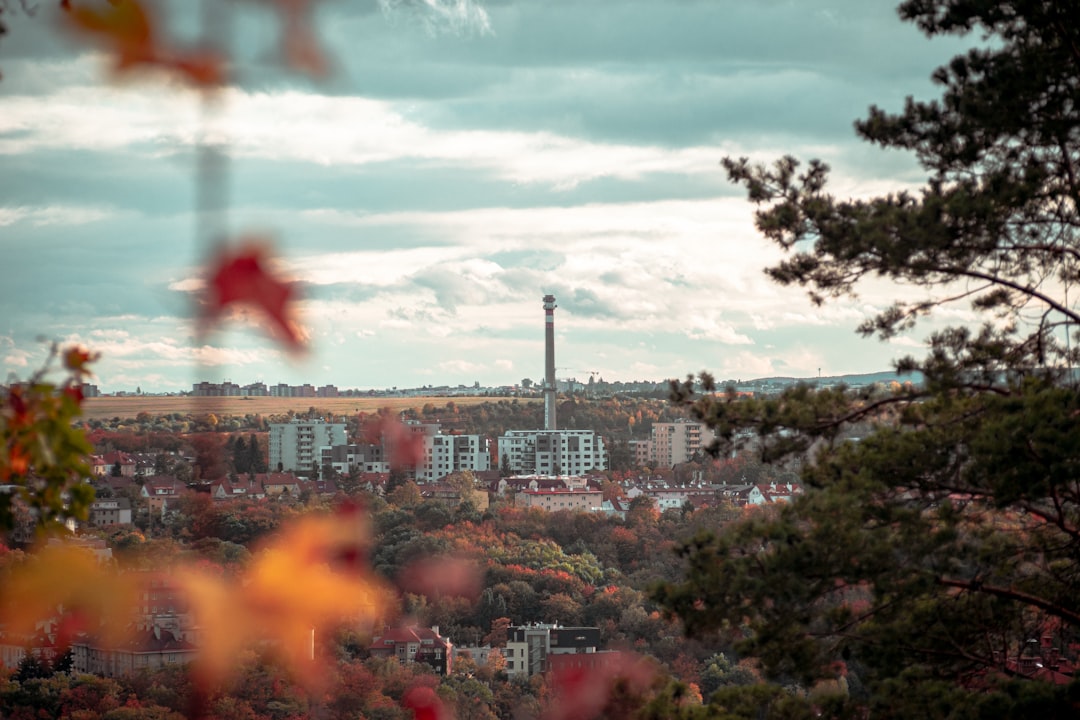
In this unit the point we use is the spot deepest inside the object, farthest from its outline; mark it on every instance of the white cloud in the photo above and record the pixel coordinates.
(709, 328)
(442, 16)
(903, 341)
(44, 215)
(323, 130)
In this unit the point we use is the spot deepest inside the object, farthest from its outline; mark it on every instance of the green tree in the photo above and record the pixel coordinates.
(240, 456)
(43, 455)
(932, 551)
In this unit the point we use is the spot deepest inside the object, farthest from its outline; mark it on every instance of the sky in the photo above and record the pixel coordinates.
(461, 159)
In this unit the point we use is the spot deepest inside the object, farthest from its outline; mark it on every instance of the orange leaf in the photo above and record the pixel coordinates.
(128, 31)
(241, 278)
(302, 51)
(303, 581)
(124, 27)
(405, 448)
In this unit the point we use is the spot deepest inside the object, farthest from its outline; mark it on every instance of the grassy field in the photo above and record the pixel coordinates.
(129, 407)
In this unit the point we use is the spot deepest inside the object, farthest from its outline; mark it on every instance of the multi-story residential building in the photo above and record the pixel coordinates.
(677, 442)
(446, 454)
(552, 452)
(257, 389)
(529, 647)
(343, 459)
(297, 445)
(442, 454)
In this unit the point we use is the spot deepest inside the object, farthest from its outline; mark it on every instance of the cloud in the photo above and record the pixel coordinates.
(53, 215)
(439, 16)
(710, 328)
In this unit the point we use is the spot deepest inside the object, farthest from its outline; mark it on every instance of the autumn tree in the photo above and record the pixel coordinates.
(932, 551)
(43, 456)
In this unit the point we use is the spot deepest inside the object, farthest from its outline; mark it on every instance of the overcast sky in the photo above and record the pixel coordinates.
(461, 161)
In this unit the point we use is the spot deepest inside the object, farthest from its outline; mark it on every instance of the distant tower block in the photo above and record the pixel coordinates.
(549, 362)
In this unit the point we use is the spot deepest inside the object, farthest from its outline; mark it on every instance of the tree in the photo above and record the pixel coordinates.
(43, 455)
(932, 551)
(256, 458)
(240, 457)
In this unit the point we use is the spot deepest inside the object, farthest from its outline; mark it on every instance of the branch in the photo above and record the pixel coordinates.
(1013, 594)
(1025, 290)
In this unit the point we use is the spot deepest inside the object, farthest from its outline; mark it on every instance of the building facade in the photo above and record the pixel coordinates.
(529, 647)
(677, 442)
(553, 500)
(416, 644)
(447, 454)
(555, 452)
(110, 511)
(442, 455)
(297, 445)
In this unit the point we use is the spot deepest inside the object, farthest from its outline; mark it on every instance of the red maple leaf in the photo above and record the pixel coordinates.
(240, 277)
(425, 704)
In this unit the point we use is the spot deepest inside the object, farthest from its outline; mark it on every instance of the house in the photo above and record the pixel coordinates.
(160, 490)
(446, 493)
(415, 644)
(245, 486)
(280, 484)
(105, 464)
(110, 511)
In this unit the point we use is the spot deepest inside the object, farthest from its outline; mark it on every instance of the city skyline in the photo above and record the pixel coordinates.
(426, 206)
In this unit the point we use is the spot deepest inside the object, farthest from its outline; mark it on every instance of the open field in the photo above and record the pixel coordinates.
(129, 407)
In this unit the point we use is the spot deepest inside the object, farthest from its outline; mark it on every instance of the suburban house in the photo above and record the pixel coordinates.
(110, 511)
(160, 490)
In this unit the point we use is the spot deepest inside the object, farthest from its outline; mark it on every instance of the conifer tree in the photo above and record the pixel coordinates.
(938, 559)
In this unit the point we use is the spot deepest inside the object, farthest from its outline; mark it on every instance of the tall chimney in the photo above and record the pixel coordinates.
(549, 362)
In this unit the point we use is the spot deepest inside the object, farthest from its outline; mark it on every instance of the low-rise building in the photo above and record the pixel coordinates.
(579, 500)
(415, 644)
(145, 650)
(110, 511)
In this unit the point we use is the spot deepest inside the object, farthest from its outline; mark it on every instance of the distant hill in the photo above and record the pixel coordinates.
(886, 376)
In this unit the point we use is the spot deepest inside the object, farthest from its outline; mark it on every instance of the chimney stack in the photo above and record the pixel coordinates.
(549, 362)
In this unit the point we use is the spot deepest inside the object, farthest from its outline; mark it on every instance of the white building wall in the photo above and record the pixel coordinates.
(557, 452)
(297, 445)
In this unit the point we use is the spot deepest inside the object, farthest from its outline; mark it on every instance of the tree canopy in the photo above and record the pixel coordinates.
(940, 554)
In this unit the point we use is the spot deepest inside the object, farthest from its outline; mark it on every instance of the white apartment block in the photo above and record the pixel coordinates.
(446, 454)
(297, 445)
(552, 452)
(442, 454)
(677, 442)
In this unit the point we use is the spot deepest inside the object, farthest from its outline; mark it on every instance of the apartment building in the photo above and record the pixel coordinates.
(676, 442)
(297, 445)
(552, 452)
